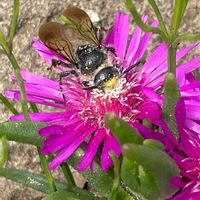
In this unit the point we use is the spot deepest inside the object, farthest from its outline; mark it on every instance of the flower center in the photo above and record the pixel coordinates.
(124, 100)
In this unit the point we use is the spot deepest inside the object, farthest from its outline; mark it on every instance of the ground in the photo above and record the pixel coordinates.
(32, 15)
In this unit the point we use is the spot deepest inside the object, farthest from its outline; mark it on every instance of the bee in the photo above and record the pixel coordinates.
(79, 44)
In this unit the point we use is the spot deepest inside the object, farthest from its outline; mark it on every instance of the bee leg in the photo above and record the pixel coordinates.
(91, 87)
(112, 50)
(63, 75)
(56, 62)
(101, 32)
(86, 83)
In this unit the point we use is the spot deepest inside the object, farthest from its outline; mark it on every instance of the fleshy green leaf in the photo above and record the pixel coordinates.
(99, 180)
(122, 130)
(65, 195)
(154, 144)
(5, 150)
(22, 132)
(152, 170)
(35, 181)
(117, 176)
(172, 94)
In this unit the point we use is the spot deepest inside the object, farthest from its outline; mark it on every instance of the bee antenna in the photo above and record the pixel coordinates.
(130, 68)
(90, 87)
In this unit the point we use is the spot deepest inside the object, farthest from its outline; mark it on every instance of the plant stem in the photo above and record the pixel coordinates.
(14, 22)
(139, 22)
(43, 159)
(159, 16)
(34, 107)
(46, 171)
(172, 59)
(186, 37)
(179, 10)
(68, 175)
(8, 104)
(16, 68)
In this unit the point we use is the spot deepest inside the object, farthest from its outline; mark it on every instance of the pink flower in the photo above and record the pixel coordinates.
(81, 118)
(186, 152)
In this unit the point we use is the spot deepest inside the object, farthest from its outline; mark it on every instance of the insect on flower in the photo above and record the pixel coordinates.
(87, 57)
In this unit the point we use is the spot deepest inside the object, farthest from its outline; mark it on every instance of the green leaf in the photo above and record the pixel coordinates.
(178, 13)
(8, 104)
(172, 94)
(99, 180)
(65, 195)
(22, 132)
(35, 181)
(153, 174)
(117, 178)
(13, 25)
(62, 195)
(5, 150)
(122, 130)
(154, 144)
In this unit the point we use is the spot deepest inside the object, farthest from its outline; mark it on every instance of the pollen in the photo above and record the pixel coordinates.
(112, 83)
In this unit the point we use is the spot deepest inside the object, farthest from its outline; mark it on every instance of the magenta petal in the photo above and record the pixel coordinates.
(191, 86)
(143, 43)
(121, 33)
(134, 43)
(147, 133)
(162, 69)
(149, 110)
(157, 57)
(39, 80)
(41, 117)
(110, 144)
(193, 112)
(47, 92)
(58, 142)
(51, 130)
(186, 68)
(91, 150)
(45, 52)
(66, 153)
(151, 94)
(192, 125)
(180, 114)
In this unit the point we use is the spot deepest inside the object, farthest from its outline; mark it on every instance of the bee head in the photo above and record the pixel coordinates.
(107, 78)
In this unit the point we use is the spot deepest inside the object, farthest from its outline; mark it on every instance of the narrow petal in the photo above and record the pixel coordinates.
(51, 130)
(192, 125)
(110, 144)
(91, 150)
(163, 67)
(39, 80)
(143, 44)
(149, 110)
(121, 33)
(134, 43)
(186, 68)
(67, 152)
(64, 139)
(157, 57)
(41, 117)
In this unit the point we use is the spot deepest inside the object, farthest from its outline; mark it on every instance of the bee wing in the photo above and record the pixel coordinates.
(61, 38)
(82, 23)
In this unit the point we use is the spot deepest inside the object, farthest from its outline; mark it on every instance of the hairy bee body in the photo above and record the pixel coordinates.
(79, 44)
